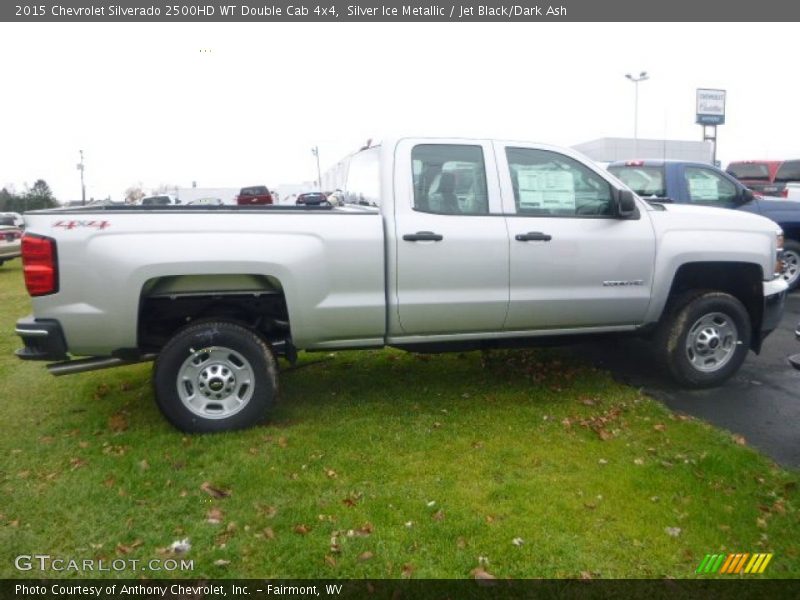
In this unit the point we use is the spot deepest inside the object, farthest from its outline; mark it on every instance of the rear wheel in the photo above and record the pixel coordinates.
(215, 376)
(704, 339)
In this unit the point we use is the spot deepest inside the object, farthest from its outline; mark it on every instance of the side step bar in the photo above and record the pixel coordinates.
(69, 367)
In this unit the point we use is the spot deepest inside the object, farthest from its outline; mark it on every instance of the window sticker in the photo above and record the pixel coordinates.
(550, 190)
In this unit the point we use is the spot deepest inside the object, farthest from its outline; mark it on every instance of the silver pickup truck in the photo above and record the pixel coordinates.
(444, 244)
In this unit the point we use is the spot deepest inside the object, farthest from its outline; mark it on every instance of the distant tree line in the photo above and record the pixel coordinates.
(38, 196)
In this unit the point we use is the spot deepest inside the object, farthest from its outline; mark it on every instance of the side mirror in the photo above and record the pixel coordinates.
(746, 196)
(626, 205)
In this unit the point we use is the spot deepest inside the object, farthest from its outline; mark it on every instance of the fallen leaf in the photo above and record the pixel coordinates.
(638, 461)
(282, 442)
(118, 422)
(302, 529)
(214, 516)
(673, 531)
(518, 541)
(586, 575)
(221, 562)
(144, 465)
(408, 570)
(761, 522)
(438, 515)
(739, 439)
(481, 573)
(365, 556)
(77, 463)
(660, 427)
(214, 492)
(268, 533)
(330, 473)
(330, 561)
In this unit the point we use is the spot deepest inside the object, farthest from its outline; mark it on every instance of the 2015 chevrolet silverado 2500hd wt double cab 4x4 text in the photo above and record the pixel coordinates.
(462, 244)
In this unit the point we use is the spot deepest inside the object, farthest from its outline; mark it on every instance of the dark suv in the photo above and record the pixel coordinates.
(255, 194)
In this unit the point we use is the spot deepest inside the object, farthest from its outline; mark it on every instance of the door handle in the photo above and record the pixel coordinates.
(533, 236)
(423, 236)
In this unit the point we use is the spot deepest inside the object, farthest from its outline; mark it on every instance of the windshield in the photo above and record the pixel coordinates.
(645, 181)
(789, 171)
(749, 171)
(155, 200)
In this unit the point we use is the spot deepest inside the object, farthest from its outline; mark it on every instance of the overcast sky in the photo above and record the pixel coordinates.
(228, 105)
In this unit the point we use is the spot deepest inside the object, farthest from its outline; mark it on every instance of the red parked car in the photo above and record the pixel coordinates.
(255, 194)
(758, 175)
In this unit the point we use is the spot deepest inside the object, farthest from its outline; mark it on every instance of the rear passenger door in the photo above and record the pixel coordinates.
(573, 263)
(451, 241)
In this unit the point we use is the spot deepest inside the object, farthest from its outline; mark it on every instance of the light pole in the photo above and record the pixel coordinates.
(83, 187)
(315, 152)
(643, 76)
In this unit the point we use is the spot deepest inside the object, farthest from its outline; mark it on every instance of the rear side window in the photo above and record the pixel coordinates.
(449, 179)
(550, 184)
(749, 171)
(363, 179)
(707, 187)
(156, 201)
(645, 181)
(789, 171)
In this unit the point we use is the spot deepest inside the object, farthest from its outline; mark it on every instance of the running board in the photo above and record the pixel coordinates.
(69, 367)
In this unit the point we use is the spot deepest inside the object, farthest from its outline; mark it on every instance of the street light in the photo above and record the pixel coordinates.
(643, 76)
(315, 152)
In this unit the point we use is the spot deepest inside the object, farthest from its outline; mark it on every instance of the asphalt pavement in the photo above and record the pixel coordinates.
(761, 402)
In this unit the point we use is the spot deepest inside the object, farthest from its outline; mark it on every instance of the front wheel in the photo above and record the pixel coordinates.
(215, 376)
(791, 260)
(704, 341)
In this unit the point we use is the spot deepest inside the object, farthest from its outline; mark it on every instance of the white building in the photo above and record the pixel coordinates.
(606, 150)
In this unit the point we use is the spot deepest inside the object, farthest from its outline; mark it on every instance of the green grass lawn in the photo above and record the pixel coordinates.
(383, 464)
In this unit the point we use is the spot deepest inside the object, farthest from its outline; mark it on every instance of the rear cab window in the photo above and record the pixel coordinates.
(754, 171)
(646, 181)
(364, 178)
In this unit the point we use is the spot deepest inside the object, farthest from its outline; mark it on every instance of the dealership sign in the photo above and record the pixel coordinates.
(710, 107)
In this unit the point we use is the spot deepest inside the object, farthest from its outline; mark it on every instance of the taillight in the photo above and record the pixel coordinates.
(39, 264)
(785, 192)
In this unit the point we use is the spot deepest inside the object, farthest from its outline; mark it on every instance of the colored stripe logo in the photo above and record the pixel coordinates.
(732, 564)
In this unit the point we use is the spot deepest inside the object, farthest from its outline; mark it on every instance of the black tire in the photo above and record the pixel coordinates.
(791, 256)
(215, 376)
(703, 338)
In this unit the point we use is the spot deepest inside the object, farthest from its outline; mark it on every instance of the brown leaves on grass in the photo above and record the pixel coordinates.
(438, 515)
(407, 571)
(213, 491)
(77, 463)
(739, 439)
(118, 422)
(364, 556)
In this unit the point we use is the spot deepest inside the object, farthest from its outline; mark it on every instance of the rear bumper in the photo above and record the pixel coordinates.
(43, 339)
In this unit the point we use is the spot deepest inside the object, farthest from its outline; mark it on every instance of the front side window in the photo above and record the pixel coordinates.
(550, 184)
(707, 187)
(449, 179)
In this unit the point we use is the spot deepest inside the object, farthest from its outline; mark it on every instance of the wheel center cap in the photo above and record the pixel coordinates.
(216, 384)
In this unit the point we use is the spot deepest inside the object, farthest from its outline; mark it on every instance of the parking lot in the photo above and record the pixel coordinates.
(759, 403)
